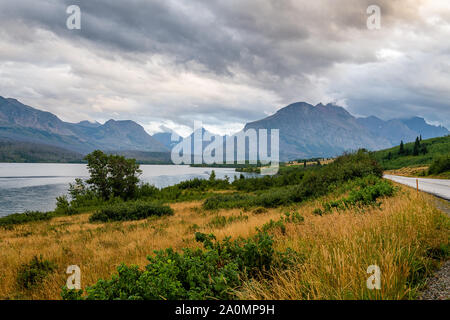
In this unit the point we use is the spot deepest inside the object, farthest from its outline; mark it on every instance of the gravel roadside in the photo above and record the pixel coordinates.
(438, 286)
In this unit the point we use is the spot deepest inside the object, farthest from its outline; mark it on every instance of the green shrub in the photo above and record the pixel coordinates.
(367, 194)
(63, 206)
(221, 221)
(280, 224)
(294, 217)
(440, 165)
(212, 273)
(27, 216)
(274, 225)
(132, 210)
(32, 273)
(260, 210)
(222, 201)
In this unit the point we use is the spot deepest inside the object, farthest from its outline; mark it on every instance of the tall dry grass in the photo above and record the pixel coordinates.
(98, 248)
(337, 248)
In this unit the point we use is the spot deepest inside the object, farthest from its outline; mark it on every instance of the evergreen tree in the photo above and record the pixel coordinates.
(416, 149)
(402, 148)
(212, 176)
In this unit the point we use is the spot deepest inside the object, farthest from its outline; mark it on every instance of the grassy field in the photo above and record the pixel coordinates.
(403, 236)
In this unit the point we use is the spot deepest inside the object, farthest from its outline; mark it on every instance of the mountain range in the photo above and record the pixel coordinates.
(306, 131)
(26, 124)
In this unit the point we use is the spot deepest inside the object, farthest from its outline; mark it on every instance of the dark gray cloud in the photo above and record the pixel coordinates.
(226, 62)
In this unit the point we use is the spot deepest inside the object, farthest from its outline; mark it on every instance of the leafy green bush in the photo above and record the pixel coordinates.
(64, 207)
(440, 165)
(274, 225)
(280, 224)
(221, 221)
(227, 201)
(27, 216)
(260, 210)
(132, 210)
(365, 195)
(32, 273)
(287, 176)
(196, 274)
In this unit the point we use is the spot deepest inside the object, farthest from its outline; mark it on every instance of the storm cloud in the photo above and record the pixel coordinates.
(225, 62)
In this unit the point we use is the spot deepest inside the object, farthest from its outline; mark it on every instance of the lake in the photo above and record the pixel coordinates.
(35, 186)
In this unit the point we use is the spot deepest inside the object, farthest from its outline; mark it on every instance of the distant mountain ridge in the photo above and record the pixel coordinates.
(427, 131)
(306, 131)
(26, 124)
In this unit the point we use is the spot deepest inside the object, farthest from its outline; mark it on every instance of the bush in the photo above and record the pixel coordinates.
(132, 210)
(280, 224)
(27, 216)
(63, 206)
(194, 274)
(227, 201)
(440, 165)
(32, 273)
(366, 195)
(221, 221)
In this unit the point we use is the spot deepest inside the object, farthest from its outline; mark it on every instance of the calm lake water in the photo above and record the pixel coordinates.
(35, 186)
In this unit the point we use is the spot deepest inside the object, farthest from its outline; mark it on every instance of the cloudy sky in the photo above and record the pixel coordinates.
(225, 62)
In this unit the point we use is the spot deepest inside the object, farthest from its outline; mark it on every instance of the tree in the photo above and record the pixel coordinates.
(112, 175)
(123, 176)
(416, 149)
(98, 171)
(402, 148)
(212, 176)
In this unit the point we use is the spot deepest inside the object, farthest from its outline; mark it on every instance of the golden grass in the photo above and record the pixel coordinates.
(338, 247)
(419, 171)
(408, 171)
(98, 248)
(310, 163)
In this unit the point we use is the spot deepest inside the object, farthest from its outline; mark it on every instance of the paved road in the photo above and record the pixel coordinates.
(438, 187)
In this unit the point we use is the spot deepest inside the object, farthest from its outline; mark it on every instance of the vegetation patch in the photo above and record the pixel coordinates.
(212, 273)
(440, 165)
(32, 273)
(280, 224)
(28, 216)
(221, 221)
(131, 210)
(422, 152)
(367, 195)
(301, 186)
